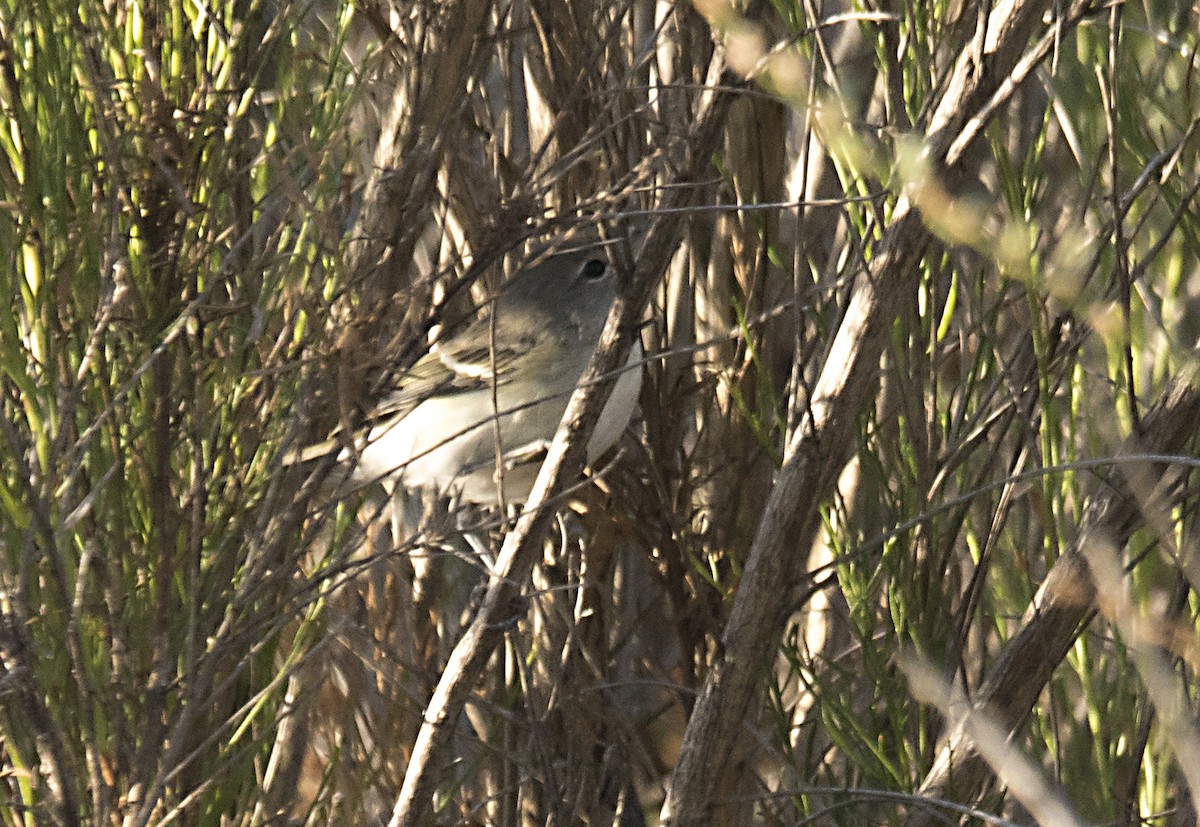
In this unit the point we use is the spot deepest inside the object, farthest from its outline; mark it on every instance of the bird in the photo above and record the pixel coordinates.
(435, 429)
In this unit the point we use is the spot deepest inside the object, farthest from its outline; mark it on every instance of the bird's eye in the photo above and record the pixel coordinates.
(594, 269)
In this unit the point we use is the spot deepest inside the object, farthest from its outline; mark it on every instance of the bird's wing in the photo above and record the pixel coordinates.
(463, 364)
(437, 373)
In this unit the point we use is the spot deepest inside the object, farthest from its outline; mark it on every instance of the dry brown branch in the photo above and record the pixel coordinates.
(817, 450)
(522, 545)
(1061, 608)
(403, 178)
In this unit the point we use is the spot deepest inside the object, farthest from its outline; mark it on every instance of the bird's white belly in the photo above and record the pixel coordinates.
(451, 442)
(620, 406)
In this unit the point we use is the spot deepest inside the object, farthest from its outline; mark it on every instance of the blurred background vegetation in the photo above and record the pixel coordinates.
(223, 223)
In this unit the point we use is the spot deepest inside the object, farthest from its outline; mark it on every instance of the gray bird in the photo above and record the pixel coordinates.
(435, 430)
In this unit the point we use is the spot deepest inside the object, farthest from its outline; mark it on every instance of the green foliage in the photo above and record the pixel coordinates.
(186, 635)
(991, 378)
(158, 266)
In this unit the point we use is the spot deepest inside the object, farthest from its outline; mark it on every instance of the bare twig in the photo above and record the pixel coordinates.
(1062, 606)
(522, 545)
(817, 451)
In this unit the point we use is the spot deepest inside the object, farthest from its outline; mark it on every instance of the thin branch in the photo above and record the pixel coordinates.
(817, 451)
(1061, 607)
(522, 546)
